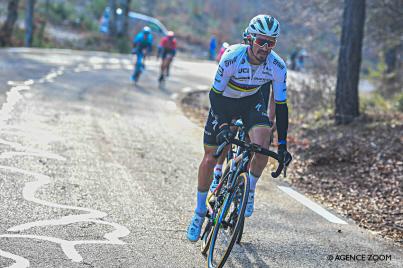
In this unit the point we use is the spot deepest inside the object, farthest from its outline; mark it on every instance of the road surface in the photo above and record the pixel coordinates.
(95, 172)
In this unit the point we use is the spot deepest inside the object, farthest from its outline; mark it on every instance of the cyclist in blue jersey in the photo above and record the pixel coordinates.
(235, 93)
(142, 45)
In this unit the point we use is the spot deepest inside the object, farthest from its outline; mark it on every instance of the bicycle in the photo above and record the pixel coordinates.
(165, 67)
(139, 66)
(226, 205)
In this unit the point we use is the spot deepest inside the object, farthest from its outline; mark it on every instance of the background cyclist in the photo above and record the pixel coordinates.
(168, 52)
(142, 45)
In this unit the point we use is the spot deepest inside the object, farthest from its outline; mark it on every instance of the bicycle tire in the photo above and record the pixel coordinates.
(208, 230)
(206, 238)
(238, 240)
(244, 178)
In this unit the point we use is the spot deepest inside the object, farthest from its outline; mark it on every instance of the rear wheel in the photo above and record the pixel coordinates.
(229, 222)
(137, 73)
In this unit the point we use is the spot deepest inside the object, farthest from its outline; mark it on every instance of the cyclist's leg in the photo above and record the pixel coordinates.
(139, 62)
(257, 125)
(168, 65)
(163, 64)
(259, 131)
(259, 134)
(219, 166)
(204, 179)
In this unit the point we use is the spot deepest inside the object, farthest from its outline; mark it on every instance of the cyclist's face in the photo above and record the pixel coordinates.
(261, 52)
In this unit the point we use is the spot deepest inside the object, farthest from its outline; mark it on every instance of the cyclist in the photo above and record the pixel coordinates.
(142, 45)
(168, 51)
(235, 93)
(224, 47)
(265, 91)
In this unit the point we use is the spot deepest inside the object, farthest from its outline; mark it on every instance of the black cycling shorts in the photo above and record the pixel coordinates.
(167, 52)
(252, 110)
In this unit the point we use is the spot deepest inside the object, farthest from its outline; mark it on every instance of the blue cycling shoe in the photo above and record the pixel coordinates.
(194, 228)
(250, 206)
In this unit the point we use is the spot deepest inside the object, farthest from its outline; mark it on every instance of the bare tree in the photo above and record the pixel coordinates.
(348, 69)
(29, 22)
(8, 26)
(43, 17)
(150, 7)
(126, 9)
(385, 30)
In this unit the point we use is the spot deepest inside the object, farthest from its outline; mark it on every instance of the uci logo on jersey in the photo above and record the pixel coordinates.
(243, 70)
(230, 61)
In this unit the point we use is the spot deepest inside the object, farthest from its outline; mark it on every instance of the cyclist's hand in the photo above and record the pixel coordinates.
(134, 50)
(225, 134)
(284, 156)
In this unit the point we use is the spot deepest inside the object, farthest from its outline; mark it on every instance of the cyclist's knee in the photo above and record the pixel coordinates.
(209, 160)
(260, 136)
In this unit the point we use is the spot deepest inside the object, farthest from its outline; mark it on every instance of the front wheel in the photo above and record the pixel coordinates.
(229, 223)
(206, 238)
(137, 73)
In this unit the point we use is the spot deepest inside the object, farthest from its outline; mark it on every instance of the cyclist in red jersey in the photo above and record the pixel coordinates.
(168, 46)
(224, 47)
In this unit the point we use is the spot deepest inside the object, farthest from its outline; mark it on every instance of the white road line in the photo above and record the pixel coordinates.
(114, 60)
(170, 105)
(13, 96)
(202, 87)
(186, 89)
(312, 205)
(20, 262)
(68, 247)
(30, 189)
(174, 96)
(41, 154)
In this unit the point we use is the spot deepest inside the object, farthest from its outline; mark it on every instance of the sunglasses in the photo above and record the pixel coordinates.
(262, 42)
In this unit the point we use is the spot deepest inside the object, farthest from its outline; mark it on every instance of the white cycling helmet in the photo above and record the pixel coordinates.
(146, 29)
(264, 25)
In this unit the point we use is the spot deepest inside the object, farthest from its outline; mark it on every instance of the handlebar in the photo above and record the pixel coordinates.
(252, 147)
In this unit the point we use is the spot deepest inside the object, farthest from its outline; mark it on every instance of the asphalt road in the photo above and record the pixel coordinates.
(95, 172)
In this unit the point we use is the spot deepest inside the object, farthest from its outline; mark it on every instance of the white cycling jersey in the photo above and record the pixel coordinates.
(237, 78)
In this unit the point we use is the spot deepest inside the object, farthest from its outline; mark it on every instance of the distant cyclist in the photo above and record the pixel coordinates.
(142, 45)
(224, 47)
(168, 52)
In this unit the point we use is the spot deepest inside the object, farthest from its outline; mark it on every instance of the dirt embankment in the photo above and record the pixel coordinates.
(355, 169)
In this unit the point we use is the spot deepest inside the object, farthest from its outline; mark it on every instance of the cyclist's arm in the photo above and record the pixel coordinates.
(271, 109)
(136, 40)
(280, 98)
(174, 47)
(217, 101)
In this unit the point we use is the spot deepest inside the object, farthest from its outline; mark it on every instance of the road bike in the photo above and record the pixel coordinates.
(139, 66)
(227, 203)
